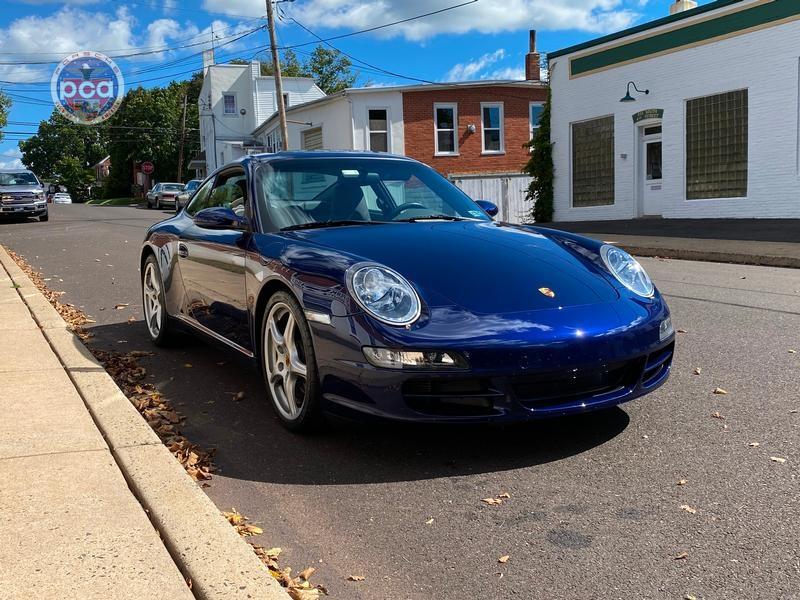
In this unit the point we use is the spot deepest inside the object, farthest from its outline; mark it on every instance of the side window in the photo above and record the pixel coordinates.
(200, 199)
(229, 191)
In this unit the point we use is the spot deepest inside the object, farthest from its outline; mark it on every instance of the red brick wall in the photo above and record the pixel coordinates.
(419, 131)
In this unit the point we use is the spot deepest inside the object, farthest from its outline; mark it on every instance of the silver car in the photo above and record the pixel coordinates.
(22, 194)
(182, 199)
(163, 193)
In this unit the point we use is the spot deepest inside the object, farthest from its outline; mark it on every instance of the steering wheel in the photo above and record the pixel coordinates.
(404, 207)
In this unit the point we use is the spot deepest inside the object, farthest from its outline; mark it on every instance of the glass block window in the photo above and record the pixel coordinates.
(593, 162)
(716, 146)
(378, 129)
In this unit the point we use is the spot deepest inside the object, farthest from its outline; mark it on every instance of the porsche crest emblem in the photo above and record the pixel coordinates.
(546, 291)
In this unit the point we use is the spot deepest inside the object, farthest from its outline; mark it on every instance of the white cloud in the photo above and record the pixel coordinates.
(468, 70)
(486, 16)
(506, 73)
(13, 156)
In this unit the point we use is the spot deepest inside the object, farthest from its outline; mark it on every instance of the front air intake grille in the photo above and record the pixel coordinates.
(451, 397)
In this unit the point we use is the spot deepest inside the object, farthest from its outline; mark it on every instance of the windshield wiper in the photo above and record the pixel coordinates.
(321, 224)
(431, 218)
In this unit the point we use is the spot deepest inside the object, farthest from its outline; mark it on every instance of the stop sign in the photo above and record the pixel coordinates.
(147, 167)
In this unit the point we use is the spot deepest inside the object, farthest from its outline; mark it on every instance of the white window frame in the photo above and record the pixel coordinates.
(530, 122)
(388, 130)
(436, 129)
(235, 105)
(501, 128)
(274, 133)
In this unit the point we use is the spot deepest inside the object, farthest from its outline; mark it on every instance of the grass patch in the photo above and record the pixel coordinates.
(113, 201)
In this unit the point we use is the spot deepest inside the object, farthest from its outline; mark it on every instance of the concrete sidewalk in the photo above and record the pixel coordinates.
(92, 505)
(772, 242)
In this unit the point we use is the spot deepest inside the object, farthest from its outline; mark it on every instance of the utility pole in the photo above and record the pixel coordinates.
(276, 68)
(183, 138)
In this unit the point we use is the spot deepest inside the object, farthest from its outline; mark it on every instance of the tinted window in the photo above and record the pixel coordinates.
(200, 198)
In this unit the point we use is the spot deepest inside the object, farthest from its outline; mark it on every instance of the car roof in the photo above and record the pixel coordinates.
(329, 154)
(20, 170)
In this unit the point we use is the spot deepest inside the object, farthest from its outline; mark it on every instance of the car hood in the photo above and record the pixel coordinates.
(483, 267)
(20, 189)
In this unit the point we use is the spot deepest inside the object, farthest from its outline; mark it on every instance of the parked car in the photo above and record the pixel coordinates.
(163, 193)
(62, 198)
(182, 199)
(368, 284)
(22, 194)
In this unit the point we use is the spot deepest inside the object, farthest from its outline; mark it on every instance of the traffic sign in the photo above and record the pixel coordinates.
(147, 167)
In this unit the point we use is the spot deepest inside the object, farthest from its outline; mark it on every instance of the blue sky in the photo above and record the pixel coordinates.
(484, 39)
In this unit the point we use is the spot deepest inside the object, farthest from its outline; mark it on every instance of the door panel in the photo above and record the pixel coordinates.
(212, 265)
(650, 171)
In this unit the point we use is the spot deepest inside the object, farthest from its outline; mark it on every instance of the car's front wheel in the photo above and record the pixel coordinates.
(155, 306)
(289, 364)
(45, 217)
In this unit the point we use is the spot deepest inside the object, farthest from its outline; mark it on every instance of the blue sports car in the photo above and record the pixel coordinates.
(367, 284)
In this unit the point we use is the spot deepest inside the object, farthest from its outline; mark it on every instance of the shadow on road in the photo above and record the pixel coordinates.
(202, 382)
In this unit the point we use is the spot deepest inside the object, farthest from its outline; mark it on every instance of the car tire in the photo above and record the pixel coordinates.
(44, 218)
(149, 206)
(290, 367)
(156, 317)
(158, 202)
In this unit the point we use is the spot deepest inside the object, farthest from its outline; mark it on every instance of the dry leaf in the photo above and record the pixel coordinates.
(792, 351)
(716, 415)
(720, 391)
(238, 396)
(492, 501)
(504, 496)
(356, 578)
(690, 597)
(697, 370)
(121, 305)
(306, 573)
(429, 521)
(682, 555)
(682, 482)
(754, 444)
(688, 509)
(188, 365)
(681, 331)
(503, 559)
(131, 320)
(777, 459)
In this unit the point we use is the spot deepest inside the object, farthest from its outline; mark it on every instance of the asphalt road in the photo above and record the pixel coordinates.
(594, 509)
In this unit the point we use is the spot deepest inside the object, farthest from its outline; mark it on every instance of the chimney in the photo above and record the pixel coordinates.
(532, 59)
(681, 5)
(255, 68)
(208, 58)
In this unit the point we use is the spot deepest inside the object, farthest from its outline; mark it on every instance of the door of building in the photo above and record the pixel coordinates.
(650, 175)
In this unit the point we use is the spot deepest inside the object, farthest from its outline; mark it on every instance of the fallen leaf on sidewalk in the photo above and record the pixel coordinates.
(121, 305)
(492, 501)
(697, 370)
(503, 559)
(356, 578)
(777, 459)
(238, 396)
(429, 521)
(716, 415)
(682, 556)
(504, 496)
(754, 444)
(720, 391)
(681, 331)
(682, 482)
(306, 573)
(688, 509)
(131, 320)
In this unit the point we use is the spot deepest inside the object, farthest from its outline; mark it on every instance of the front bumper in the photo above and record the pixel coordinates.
(32, 209)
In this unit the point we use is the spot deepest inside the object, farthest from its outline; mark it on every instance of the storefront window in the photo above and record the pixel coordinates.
(716, 146)
(593, 162)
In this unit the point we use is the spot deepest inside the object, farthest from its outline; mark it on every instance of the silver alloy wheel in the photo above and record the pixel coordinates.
(284, 361)
(153, 311)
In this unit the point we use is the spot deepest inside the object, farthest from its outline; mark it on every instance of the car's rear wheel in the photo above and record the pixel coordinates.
(289, 364)
(155, 306)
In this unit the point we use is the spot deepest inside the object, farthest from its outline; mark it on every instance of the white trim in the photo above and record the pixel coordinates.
(501, 128)
(454, 107)
(235, 112)
(387, 131)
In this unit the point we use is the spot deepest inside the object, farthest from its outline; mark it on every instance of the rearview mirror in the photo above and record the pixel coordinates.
(219, 217)
(490, 208)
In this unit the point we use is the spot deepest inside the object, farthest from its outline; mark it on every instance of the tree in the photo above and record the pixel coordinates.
(74, 176)
(540, 167)
(5, 105)
(330, 69)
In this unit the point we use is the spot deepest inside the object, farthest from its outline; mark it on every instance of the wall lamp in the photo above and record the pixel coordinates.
(628, 97)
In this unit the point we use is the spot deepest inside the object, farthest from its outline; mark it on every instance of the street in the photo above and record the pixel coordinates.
(671, 496)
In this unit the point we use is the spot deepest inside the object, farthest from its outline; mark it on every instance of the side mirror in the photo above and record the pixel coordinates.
(219, 217)
(490, 208)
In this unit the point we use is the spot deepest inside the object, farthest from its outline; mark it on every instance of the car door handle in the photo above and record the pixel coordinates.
(183, 251)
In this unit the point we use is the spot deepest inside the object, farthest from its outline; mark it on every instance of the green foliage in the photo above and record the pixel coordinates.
(72, 174)
(5, 105)
(540, 167)
(330, 69)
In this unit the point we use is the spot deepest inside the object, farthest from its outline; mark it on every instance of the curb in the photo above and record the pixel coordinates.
(709, 256)
(206, 549)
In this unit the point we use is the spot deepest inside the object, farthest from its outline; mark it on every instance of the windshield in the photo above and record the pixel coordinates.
(308, 192)
(21, 178)
(192, 185)
(172, 187)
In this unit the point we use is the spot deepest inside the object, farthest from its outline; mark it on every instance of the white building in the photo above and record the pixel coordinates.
(717, 134)
(233, 101)
(341, 122)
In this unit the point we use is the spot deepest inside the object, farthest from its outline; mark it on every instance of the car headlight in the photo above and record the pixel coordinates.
(383, 293)
(627, 270)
